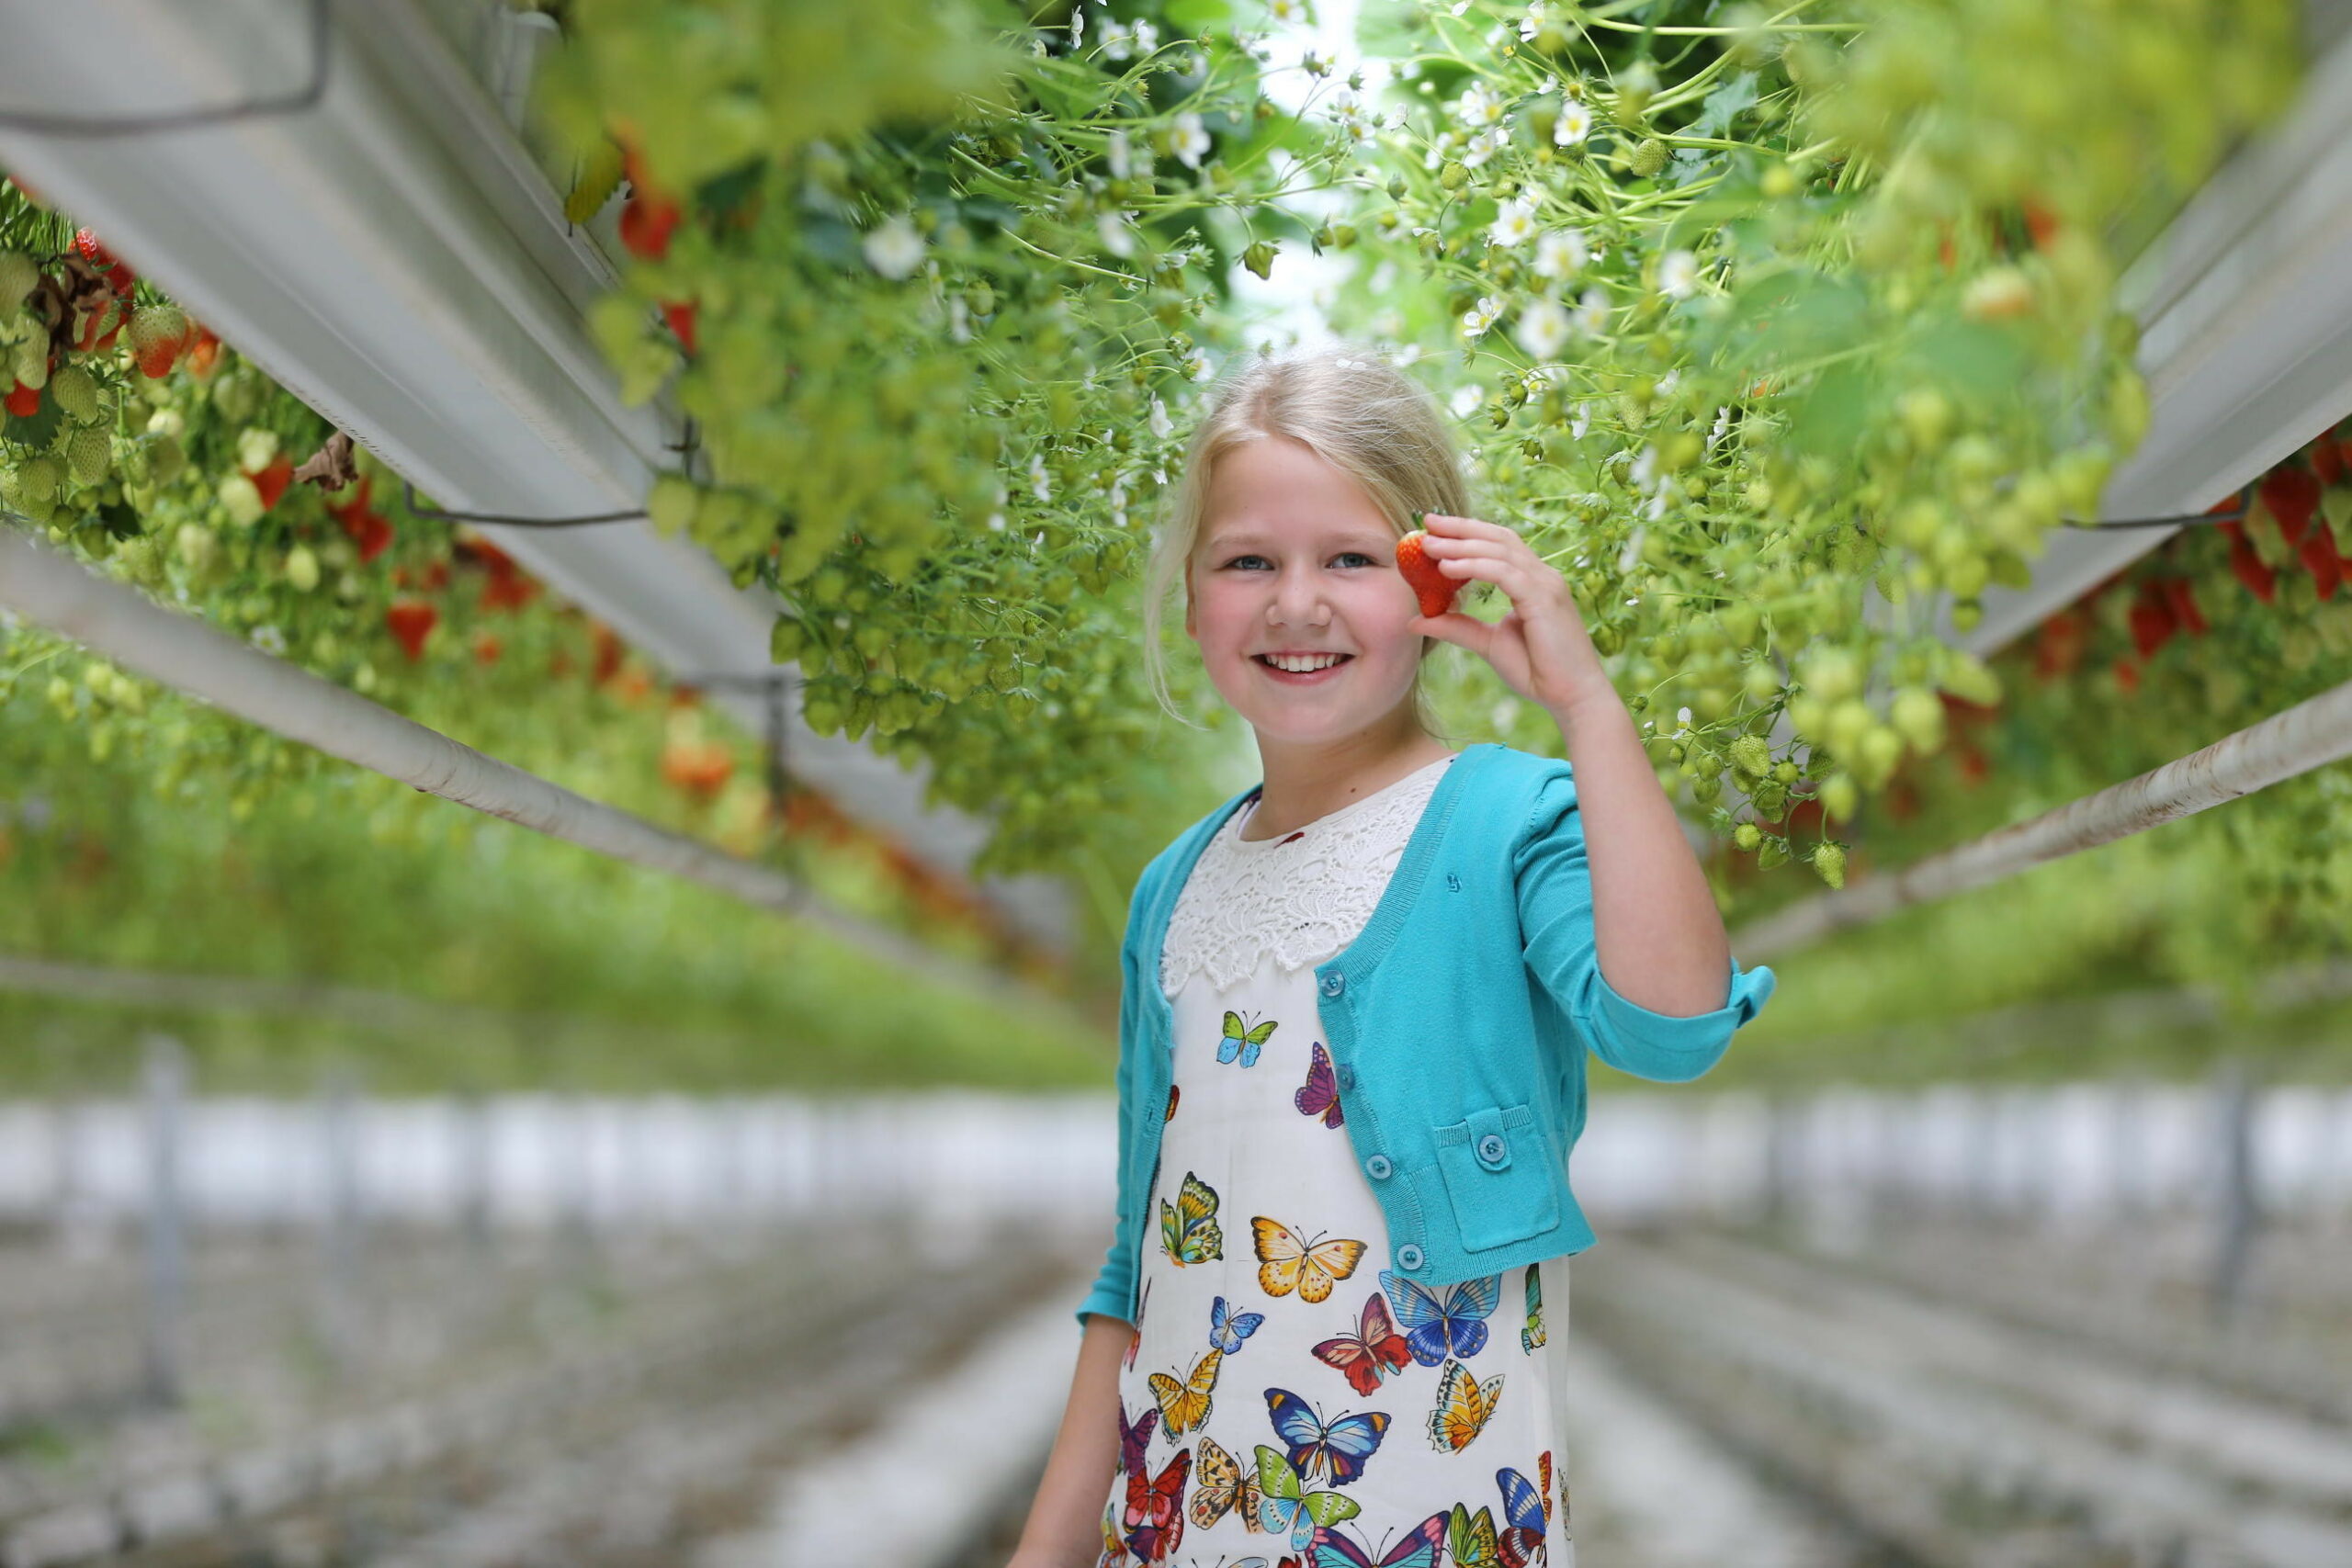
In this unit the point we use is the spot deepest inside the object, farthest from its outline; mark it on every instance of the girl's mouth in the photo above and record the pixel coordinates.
(1300, 678)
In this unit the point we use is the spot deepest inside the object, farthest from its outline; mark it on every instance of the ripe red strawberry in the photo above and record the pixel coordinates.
(410, 621)
(1435, 589)
(2318, 550)
(680, 313)
(646, 225)
(119, 273)
(2181, 594)
(2258, 578)
(2290, 493)
(272, 481)
(25, 401)
(486, 648)
(2327, 459)
(2153, 622)
(2127, 675)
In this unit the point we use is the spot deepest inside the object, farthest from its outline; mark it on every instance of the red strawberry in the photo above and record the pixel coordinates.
(371, 531)
(2319, 554)
(25, 401)
(2182, 596)
(2327, 459)
(119, 273)
(680, 313)
(2152, 620)
(272, 481)
(2290, 493)
(2127, 675)
(2258, 578)
(412, 621)
(486, 648)
(203, 352)
(1436, 590)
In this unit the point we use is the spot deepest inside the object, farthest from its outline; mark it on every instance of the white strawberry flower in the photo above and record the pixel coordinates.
(1161, 423)
(1038, 484)
(1197, 365)
(1542, 328)
(1118, 238)
(1189, 139)
(1593, 313)
(1465, 400)
(1514, 223)
(1533, 23)
(1485, 145)
(270, 641)
(1117, 43)
(1677, 275)
(1573, 124)
(1561, 252)
(1115, 153)
(893, 248)
(1477, 106)
(1479, 317)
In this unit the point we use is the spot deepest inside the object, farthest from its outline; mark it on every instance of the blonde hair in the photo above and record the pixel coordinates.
(1352, 408)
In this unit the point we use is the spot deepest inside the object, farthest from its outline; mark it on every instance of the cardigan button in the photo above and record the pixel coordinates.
(1408, 1257)
(1491, 1147)
(1378, 1167)
(1334, 982)
(1347, 1076)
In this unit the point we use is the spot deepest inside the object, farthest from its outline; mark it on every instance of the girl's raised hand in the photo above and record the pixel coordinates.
(1540, 648)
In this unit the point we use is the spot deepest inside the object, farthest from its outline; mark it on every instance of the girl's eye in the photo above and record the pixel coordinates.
(1343, 554)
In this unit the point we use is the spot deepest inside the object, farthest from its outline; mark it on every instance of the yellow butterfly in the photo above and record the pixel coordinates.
(1285, 1262)
(1188, 1230)
(1185, 1405)
(1471, 1539)
(1464, 1405)
(1220, 1486)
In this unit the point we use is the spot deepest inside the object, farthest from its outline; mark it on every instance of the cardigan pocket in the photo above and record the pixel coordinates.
(1499, 1177)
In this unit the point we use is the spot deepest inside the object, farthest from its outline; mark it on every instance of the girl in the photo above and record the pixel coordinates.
(1356, 1001)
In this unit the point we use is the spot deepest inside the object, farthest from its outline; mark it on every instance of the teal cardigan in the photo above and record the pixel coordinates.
(1456, 1020)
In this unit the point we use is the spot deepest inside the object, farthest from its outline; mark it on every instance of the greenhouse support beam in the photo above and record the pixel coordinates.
(51, 588)
(2309, 735)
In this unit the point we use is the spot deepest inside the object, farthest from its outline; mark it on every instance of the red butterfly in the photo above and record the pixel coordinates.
(1171, 1112)
(1321, 1095)
(1154, 1520)
(1368, 1355)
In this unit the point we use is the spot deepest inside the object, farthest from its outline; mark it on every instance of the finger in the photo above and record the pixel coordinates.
(1466, 527)
(1463, 631)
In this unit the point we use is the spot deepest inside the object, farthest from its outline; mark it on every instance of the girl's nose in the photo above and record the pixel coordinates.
(1298, 602)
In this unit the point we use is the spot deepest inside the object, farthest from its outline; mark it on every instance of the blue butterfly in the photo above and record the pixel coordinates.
(1526, 1516)
(1241, 1040)
(1438, 1327)
(1335, 1448)
(1229, 1328)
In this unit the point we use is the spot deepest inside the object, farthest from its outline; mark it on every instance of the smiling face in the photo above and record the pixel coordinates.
(1295, 558)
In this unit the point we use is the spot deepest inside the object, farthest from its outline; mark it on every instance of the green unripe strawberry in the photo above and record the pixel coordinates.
(1648, 159)
(1920, 718)
(302, 569)
(19, 274)
(786, 639)
(89, 454)
(1830, 862)
(675, 503)
(1752, 755)
(1839, 795)
(1747, 835)
(76, 391)
(39, 478)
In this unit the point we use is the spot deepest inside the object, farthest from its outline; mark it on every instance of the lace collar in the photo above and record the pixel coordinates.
(1301, 896)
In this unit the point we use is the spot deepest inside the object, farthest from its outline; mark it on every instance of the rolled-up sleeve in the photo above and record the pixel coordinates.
(1114, 1282)
(1556, 914)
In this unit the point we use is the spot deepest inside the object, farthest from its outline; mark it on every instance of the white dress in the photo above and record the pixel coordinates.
(1285, 1398)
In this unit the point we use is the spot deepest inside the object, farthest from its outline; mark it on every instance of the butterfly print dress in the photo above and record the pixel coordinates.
(1287, 1401)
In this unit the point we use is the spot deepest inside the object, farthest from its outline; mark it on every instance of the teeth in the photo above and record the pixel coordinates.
(1303, 666)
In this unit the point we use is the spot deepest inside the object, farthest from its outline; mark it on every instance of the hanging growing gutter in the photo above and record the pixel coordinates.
(51, 588)
(2311, 734)
(392, 254)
